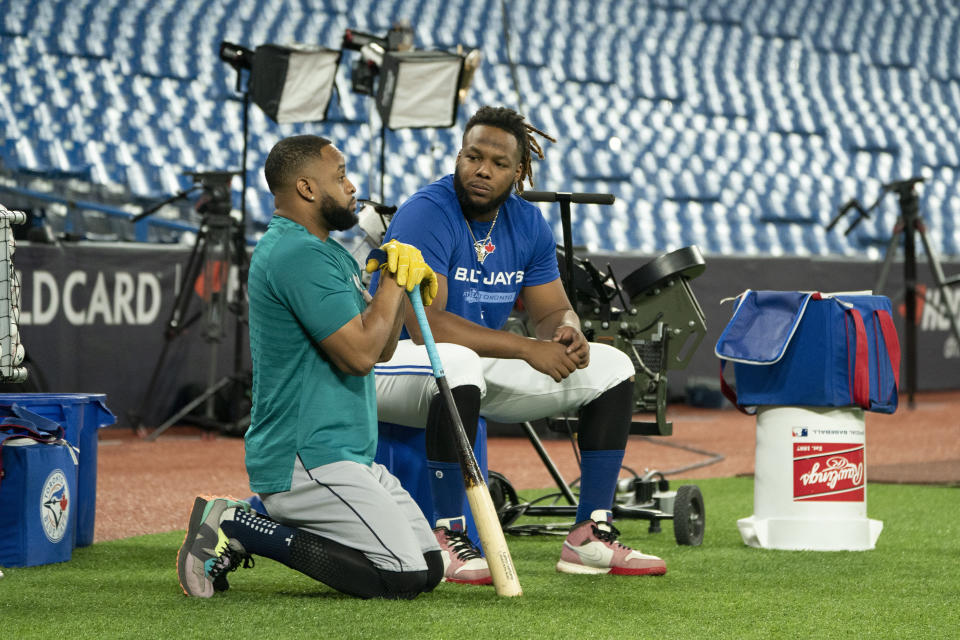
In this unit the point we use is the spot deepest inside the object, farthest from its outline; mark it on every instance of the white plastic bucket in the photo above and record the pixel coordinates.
(810, 483)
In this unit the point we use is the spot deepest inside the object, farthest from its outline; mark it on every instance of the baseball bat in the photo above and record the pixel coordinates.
(504, 576)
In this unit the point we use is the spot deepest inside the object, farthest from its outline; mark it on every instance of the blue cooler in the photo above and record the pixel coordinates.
(38, 502)
(80, 415)
(402, 450)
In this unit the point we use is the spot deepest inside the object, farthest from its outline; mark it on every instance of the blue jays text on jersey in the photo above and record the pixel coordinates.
(525, 255)
(462, 274)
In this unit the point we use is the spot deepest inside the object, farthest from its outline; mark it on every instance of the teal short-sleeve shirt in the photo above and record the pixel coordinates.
(301, 290)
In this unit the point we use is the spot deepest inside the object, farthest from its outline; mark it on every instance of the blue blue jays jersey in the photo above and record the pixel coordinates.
(521, 251)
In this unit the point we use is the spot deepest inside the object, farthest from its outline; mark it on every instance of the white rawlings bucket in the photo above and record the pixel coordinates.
(810, 483)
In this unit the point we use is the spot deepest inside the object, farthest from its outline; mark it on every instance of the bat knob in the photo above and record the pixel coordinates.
(378, 257)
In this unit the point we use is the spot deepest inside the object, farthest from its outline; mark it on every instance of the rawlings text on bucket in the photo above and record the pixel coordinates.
(831, 472)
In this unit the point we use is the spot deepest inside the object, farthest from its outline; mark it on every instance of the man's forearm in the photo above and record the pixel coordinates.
(383, 319)
(547, 325)
(488, 343)
(391, 345)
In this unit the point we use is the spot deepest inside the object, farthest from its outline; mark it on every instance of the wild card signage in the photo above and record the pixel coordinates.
(94, 316)
(94, 319)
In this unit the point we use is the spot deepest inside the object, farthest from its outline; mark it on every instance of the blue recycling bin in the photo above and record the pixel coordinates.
(81, 415)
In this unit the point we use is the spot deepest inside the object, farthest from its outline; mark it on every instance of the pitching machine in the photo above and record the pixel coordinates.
(653, 316)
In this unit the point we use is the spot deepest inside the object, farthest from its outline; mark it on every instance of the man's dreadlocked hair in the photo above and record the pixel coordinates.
(514, 123)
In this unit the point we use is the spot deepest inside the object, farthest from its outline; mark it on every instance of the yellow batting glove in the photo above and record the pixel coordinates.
(399, 259)
(407, 263)
(388, 257)
(429, 286)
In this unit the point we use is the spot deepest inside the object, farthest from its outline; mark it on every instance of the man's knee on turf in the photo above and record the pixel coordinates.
(350, 571)
(406, 585)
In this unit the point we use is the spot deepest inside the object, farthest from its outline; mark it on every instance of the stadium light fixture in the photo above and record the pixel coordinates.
(419, 89)
(293, 84)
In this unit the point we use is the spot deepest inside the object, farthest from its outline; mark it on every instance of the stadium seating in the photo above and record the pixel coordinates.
(738, 126)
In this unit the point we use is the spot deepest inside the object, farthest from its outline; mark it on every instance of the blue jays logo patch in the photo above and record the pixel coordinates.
(55, 506)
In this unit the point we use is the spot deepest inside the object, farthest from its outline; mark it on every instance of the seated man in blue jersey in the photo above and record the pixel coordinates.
(488, 247)
(315, 334)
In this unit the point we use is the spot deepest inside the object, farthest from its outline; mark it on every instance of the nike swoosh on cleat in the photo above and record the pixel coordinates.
(591, 553)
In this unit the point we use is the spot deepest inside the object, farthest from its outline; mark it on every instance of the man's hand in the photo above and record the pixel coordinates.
(551, 358)
(407, 264)
(576, 343)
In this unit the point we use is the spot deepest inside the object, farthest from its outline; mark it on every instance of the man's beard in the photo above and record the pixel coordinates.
(337, 217)
(472, 210)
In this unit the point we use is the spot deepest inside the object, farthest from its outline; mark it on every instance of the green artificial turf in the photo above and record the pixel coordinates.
(908, 587)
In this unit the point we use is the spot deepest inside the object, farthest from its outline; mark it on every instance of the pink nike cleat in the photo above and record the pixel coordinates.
(462, 561)
(591, 547)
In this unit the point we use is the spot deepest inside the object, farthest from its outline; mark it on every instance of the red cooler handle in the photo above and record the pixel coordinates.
(729, 392)
(893, 344)
(861, 365)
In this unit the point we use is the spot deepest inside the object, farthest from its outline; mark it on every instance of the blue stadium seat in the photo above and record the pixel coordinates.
(740, 127)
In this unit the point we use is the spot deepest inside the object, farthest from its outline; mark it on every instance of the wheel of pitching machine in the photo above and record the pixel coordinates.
(689, 517)
(687, 262)
(505, 499)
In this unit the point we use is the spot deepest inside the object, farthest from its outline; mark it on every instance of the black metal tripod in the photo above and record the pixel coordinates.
(908, 223)
(219, 250)
(220, 246)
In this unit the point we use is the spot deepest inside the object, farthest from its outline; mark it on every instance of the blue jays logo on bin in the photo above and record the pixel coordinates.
(55, 506)
(799, 432)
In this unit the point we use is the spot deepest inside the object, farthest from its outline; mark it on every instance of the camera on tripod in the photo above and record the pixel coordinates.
(909, 224)
(216, 198)
(207, 279)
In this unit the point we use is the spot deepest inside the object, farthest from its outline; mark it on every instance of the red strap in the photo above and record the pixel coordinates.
(728, 392)
(861, 365)
(893, 344)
